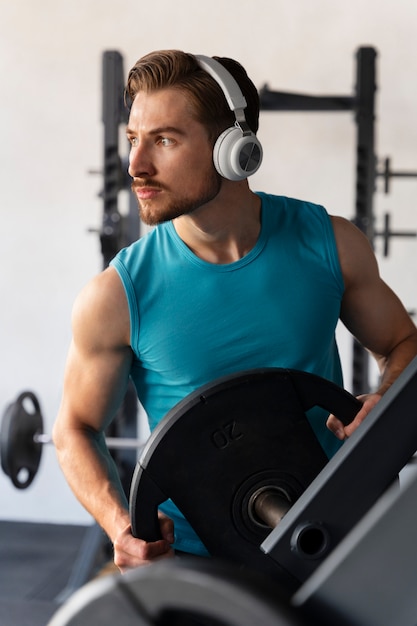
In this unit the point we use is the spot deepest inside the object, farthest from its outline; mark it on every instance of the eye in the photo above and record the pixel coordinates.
(166, 141)
(133, 141)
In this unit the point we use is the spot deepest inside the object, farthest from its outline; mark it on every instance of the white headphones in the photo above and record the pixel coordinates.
(237, 152)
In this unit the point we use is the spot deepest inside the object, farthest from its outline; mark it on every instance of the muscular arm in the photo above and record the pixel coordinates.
(96, 377)
(372, 313)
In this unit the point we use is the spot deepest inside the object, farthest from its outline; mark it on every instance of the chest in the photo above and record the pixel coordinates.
(262, 316)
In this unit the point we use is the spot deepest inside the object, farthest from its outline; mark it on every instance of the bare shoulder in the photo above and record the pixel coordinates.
(101, 311)
(104, 291)
(357, 258)
(348, 235)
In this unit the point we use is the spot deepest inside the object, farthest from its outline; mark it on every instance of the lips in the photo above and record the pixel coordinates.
(146, 193)
(146, 189)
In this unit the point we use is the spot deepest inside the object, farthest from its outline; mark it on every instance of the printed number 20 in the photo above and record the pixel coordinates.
(225, 436)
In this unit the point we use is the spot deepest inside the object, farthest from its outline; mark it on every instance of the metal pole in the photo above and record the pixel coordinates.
(365, 183)
(114, 443)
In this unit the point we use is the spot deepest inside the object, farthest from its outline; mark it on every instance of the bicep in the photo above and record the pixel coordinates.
(94, 386)
(99, 358)
(376, 317)
(370, 310)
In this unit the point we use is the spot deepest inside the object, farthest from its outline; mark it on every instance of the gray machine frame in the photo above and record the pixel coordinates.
(371, 577)
(351, 483)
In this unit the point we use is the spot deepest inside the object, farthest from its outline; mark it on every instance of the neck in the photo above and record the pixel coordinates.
(226, 229)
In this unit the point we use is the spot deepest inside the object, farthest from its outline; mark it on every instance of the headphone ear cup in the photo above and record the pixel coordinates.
(235, 155)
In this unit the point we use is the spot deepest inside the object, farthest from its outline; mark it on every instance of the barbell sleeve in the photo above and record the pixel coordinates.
(269, 505)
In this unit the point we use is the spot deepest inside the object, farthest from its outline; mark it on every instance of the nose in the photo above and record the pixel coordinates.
(140, 163)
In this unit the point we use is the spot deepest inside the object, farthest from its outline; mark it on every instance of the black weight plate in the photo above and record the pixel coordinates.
(187, 592)
(20, 455)
(245, 429)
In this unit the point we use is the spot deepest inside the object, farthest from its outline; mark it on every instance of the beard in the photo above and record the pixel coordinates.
(153, 212)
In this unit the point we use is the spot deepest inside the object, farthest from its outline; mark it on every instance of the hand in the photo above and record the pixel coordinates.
(130, 552)
(341, 431)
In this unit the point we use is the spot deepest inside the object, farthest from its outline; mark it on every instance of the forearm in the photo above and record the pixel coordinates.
(390, 367)
(92, 475)
(396, 361)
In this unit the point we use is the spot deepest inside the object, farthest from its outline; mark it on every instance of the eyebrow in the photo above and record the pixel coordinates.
(159, 131)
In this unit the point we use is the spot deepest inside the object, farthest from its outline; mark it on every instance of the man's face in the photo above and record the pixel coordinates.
(170, 157)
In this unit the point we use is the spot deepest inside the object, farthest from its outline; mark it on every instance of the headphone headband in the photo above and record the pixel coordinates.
(234, 96)
(237, 153)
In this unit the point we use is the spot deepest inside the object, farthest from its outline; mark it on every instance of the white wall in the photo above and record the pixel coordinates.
(51, 135)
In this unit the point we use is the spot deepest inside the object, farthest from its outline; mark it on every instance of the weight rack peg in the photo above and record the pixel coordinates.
(387, 173)
(387, 233)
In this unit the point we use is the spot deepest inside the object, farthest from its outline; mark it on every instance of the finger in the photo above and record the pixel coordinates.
(139, 553)
(167, 529)
(130, 564)
(156, 549)
(350, 428)
(341, 431)
(336, 427)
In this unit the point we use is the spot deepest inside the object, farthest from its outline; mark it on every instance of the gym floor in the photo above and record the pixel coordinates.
(36, 563)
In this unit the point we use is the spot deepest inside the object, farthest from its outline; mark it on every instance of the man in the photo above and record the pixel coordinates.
(228, 280)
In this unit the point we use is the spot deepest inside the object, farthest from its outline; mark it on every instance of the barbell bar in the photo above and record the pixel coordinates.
(113, 443)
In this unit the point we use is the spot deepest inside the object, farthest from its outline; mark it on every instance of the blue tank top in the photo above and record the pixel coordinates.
(194, 321)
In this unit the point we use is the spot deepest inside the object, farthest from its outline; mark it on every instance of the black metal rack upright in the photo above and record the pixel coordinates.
(117, 231)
